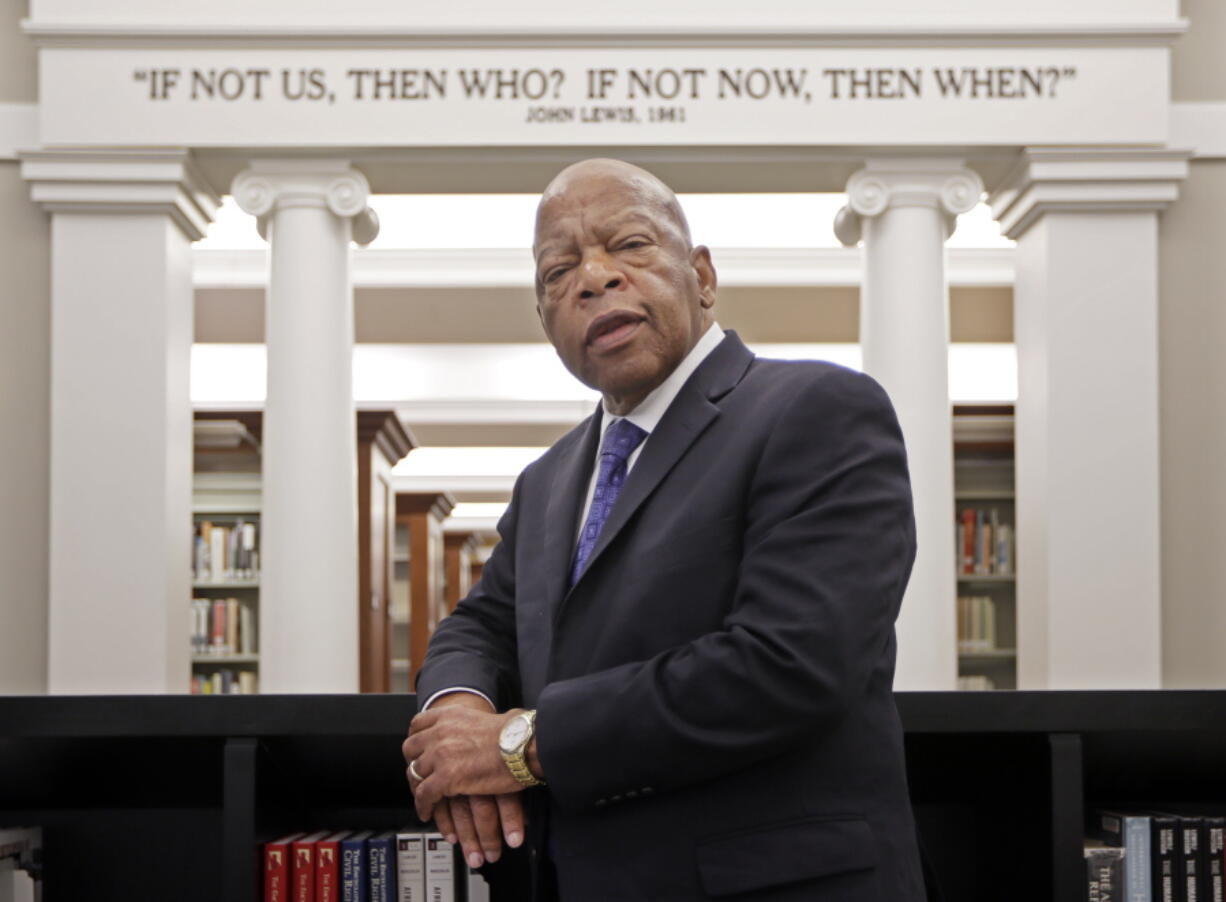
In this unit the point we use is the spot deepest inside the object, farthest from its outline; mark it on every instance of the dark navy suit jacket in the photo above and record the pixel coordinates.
(714, 694)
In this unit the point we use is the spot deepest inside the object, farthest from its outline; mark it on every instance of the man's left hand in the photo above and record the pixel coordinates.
(455, 751)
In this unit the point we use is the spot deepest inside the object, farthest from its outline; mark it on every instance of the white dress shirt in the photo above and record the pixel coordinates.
(646, 415)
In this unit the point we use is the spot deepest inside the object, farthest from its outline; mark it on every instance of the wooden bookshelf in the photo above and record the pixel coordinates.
(984, 481)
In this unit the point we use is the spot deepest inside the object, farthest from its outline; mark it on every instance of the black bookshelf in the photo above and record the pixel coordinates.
(137, 794)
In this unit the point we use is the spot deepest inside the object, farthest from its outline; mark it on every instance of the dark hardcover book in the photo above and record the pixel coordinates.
(1131, 832)
(1189, 856)
(355, 875)
(1163, 833)
(1213, 842)
(1104, 871)
(381, 861)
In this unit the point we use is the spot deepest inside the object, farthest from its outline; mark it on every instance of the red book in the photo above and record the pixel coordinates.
(328, 867)
(968, 541)
(277, 855)
(304, 866)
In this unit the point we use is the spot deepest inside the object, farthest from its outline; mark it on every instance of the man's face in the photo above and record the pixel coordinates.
(621, 296)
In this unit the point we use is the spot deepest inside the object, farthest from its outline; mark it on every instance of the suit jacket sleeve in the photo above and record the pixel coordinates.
(475, 647)
(828, 548)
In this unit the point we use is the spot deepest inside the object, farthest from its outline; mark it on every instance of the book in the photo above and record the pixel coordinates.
(410, 866)
(1130, 832)
(381, 862)
(355, 876)
(1163, 850)
(1213, 841)
(440, 869)
(1104, 871)
(277, 856)
(328, 867)
(303, 873)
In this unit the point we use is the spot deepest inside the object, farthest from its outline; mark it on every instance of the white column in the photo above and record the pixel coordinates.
(1085, 323)
(905, 209)
(309, 211)
(121, 422)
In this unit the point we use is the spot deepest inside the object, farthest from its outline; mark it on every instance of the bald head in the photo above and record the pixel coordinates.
(638, 184)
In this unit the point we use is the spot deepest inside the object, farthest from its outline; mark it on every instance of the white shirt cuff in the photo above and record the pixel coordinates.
(430, 700)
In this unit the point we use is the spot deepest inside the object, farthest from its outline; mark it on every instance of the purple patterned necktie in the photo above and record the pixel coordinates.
(620, 440)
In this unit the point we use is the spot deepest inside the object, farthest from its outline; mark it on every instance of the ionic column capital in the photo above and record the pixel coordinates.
(123, 181)
(943, 184)
(1086, 179)
(268, 185)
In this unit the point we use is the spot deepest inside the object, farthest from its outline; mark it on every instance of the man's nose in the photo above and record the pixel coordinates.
(598, 275)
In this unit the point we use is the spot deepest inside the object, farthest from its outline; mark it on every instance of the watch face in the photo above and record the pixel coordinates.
(513, 734)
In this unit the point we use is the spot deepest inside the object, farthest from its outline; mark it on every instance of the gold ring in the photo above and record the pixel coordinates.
(413, 770)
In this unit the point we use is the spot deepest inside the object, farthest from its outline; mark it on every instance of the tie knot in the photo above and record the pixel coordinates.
(620, 440)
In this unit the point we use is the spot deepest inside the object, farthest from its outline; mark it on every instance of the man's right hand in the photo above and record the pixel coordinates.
(478, 823)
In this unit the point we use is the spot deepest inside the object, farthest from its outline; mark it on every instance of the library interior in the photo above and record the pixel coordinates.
(271, 365)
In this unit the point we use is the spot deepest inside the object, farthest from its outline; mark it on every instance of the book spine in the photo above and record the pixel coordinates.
(410, 867)
(381, 858)
(440, 869)
(968, 541)
(304, 873)
(276, 872)
(1162, 844)
(1190, 858)
(327, 871)
(1214, 842)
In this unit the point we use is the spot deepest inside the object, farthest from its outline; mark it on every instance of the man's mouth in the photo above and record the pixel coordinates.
(610, 329)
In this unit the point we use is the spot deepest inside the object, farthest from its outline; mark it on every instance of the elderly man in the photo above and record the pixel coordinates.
(674, 678)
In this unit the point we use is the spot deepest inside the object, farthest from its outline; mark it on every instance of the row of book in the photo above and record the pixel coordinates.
(984, 545)
(225, 553)
(225, 681)
(976, 623)
(405, 865)
(976, 683)
(222, 626)
(1155, 856)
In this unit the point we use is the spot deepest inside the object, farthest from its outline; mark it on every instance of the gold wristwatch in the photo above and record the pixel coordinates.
(513, 743)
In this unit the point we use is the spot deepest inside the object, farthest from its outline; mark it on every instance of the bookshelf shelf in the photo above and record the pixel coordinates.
(225, 659)
(986, 578)
(1001, 779)
(1002, 654)
(985, 495)
(226, 584)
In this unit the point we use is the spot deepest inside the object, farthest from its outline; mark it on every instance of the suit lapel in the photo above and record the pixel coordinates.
(534, 613)
(689, 415)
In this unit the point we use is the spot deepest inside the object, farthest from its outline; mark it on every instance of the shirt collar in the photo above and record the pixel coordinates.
(651, 409)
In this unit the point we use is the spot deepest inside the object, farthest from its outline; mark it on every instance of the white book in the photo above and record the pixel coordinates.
(410, 866)
(217, 554)
(440, 869)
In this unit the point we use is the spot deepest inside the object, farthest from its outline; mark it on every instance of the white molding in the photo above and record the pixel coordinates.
(487, 412)
(1200, 126)
(892, 33)
(512, 267)
(1087, 179)
(485, 484)
(122, 181)
(18, 128)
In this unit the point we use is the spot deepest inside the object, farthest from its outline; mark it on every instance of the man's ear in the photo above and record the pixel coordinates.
(700, 259)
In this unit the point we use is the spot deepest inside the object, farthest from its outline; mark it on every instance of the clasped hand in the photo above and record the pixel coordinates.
(465, 785)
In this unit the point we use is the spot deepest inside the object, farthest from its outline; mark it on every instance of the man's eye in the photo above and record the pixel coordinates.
(552, 274)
